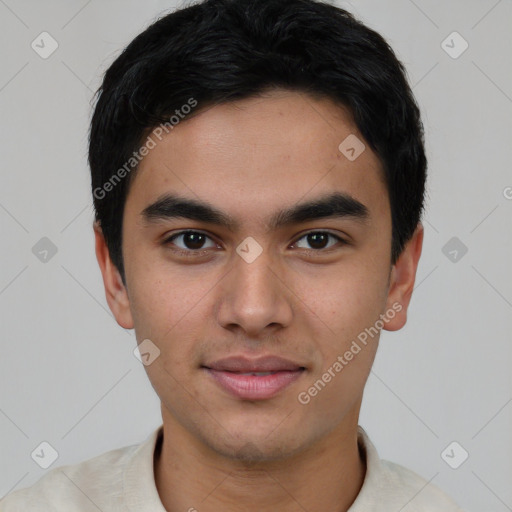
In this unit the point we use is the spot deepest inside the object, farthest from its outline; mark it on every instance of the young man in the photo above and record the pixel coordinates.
(258, 174)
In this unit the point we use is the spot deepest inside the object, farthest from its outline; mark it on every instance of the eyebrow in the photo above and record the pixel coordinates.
(335, 205)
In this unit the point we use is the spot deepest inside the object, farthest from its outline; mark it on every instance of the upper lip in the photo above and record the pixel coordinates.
(244, 364)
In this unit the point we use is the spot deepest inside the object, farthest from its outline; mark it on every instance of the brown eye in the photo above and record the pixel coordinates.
(318, 240)
(189, 241)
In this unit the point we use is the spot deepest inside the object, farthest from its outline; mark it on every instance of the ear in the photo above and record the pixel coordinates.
(401, 283)
(115, 291)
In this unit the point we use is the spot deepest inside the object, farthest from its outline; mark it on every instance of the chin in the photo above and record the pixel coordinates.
(249, 450)
(257, 443)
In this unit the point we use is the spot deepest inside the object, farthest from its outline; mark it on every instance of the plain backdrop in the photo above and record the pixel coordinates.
(68, 375)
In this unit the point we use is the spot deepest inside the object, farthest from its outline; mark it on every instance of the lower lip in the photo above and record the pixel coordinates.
(252, 387)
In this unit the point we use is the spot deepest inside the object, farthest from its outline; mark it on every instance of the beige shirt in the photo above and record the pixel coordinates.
(123, 480)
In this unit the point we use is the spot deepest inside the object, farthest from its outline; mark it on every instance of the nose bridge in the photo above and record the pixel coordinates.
(254, 276)
(253, 297)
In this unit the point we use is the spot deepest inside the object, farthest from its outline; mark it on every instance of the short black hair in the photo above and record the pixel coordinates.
(217, 51)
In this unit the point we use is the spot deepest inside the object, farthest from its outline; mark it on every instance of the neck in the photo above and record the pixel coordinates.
(328, 475)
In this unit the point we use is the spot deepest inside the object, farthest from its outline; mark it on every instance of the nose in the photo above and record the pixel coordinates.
(254, 297)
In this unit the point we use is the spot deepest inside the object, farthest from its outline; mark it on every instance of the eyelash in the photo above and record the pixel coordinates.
(199, 252)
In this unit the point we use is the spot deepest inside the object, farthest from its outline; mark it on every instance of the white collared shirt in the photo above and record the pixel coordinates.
(123, 480)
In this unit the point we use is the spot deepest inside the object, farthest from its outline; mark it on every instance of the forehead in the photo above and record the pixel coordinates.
(251, 154)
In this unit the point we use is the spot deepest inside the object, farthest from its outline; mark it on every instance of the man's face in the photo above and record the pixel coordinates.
(303, 298)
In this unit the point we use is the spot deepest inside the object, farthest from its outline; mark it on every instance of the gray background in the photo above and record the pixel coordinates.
(68, 375)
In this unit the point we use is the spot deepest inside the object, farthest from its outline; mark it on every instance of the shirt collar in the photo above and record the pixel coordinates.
(139, 485)
(365, 500)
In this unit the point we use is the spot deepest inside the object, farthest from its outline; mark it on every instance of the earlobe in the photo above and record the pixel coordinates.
(115, 290)
(403, 275)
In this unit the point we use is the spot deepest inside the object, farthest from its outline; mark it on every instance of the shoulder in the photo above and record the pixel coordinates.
(417, 493)
(89, 485)
(390, 486)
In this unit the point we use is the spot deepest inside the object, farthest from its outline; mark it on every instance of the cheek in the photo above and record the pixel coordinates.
(160, 293)
(162, 307)
(173, 309)
(159, 303)
(168, 315)
(346, 299)
(349, 306)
